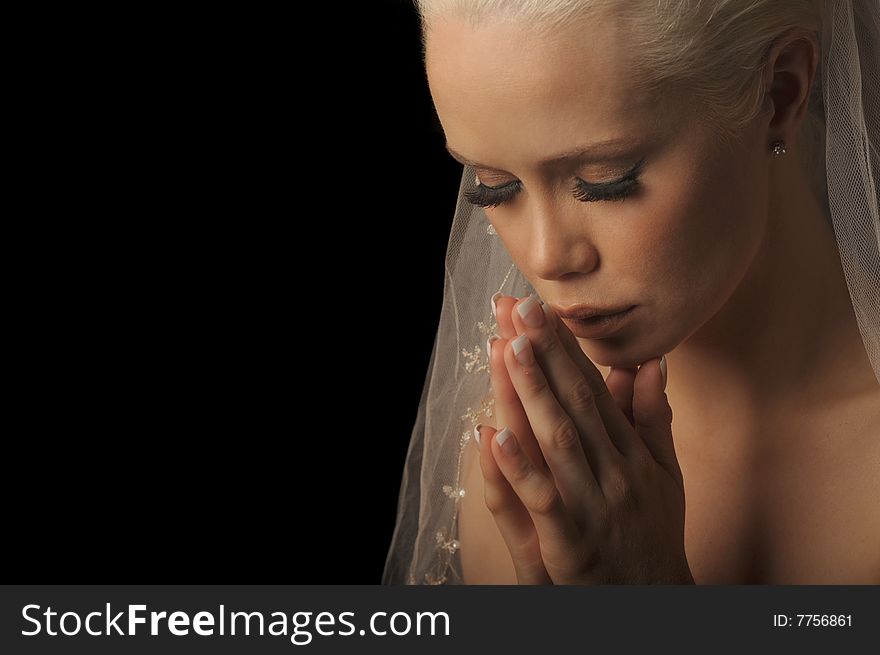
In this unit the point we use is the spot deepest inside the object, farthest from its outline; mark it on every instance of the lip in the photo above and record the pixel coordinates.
(583, 312)
(598, 326)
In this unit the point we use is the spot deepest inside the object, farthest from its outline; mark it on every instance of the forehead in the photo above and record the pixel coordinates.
(500, 86)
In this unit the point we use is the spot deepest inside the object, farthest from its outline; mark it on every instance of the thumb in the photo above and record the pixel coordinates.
(620, 384)
(653, 414)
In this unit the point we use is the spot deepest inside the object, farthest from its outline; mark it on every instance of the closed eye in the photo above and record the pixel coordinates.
(619, 189)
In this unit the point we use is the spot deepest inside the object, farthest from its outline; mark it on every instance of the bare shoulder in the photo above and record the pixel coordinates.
(873, 439)
(864, 423)
(484, 556)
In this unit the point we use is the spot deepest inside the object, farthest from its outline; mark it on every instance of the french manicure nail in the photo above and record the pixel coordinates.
(477, 433)
(522, 350)
(495, 298)
(489, 342)
(531, 312)
(503, 438)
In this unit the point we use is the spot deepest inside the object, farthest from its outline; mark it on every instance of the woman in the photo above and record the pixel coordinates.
(664, 161)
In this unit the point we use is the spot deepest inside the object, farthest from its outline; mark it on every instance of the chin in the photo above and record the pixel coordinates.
(613, 353)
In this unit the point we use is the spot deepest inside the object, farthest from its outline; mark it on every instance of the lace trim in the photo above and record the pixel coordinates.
(477, 363)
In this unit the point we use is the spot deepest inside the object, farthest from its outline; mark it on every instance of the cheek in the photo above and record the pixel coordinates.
(705, 231)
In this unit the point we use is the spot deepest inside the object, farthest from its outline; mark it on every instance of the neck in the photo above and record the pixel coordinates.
(788, 336)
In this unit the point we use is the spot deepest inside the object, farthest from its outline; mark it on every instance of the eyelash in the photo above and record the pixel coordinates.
(619, 189)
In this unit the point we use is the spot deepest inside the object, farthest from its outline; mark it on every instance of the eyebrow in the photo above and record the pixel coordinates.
(607, 150)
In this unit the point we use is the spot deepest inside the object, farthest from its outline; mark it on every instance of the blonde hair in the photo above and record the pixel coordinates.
(714, 49)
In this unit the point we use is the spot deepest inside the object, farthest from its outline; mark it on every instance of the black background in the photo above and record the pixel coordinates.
(225, 281)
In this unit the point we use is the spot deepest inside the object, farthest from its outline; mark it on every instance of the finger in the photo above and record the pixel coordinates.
(620, 383)
(513, 519)
(537, 492)
(616, 423)
(508, 409)
(556, 432)
(567, 383)
(653, 416)
(501, 306)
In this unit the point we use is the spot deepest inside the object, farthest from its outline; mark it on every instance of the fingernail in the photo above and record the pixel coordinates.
(530, 312)
(522, 350)
(547, 313)
(507, 444)
(663, 370)
(489, 341)
(477, 433)
(494, 300)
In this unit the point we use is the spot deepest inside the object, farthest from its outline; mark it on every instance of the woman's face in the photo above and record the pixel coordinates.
(676, 247)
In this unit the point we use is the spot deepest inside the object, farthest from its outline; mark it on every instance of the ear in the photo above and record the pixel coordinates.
(788, 78)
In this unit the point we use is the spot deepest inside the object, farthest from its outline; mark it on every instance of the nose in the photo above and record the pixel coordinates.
(561, 243)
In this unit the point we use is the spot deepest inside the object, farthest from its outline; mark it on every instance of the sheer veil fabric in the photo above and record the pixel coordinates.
(456, 395)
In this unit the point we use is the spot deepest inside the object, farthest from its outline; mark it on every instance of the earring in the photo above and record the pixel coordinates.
(778, 147)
